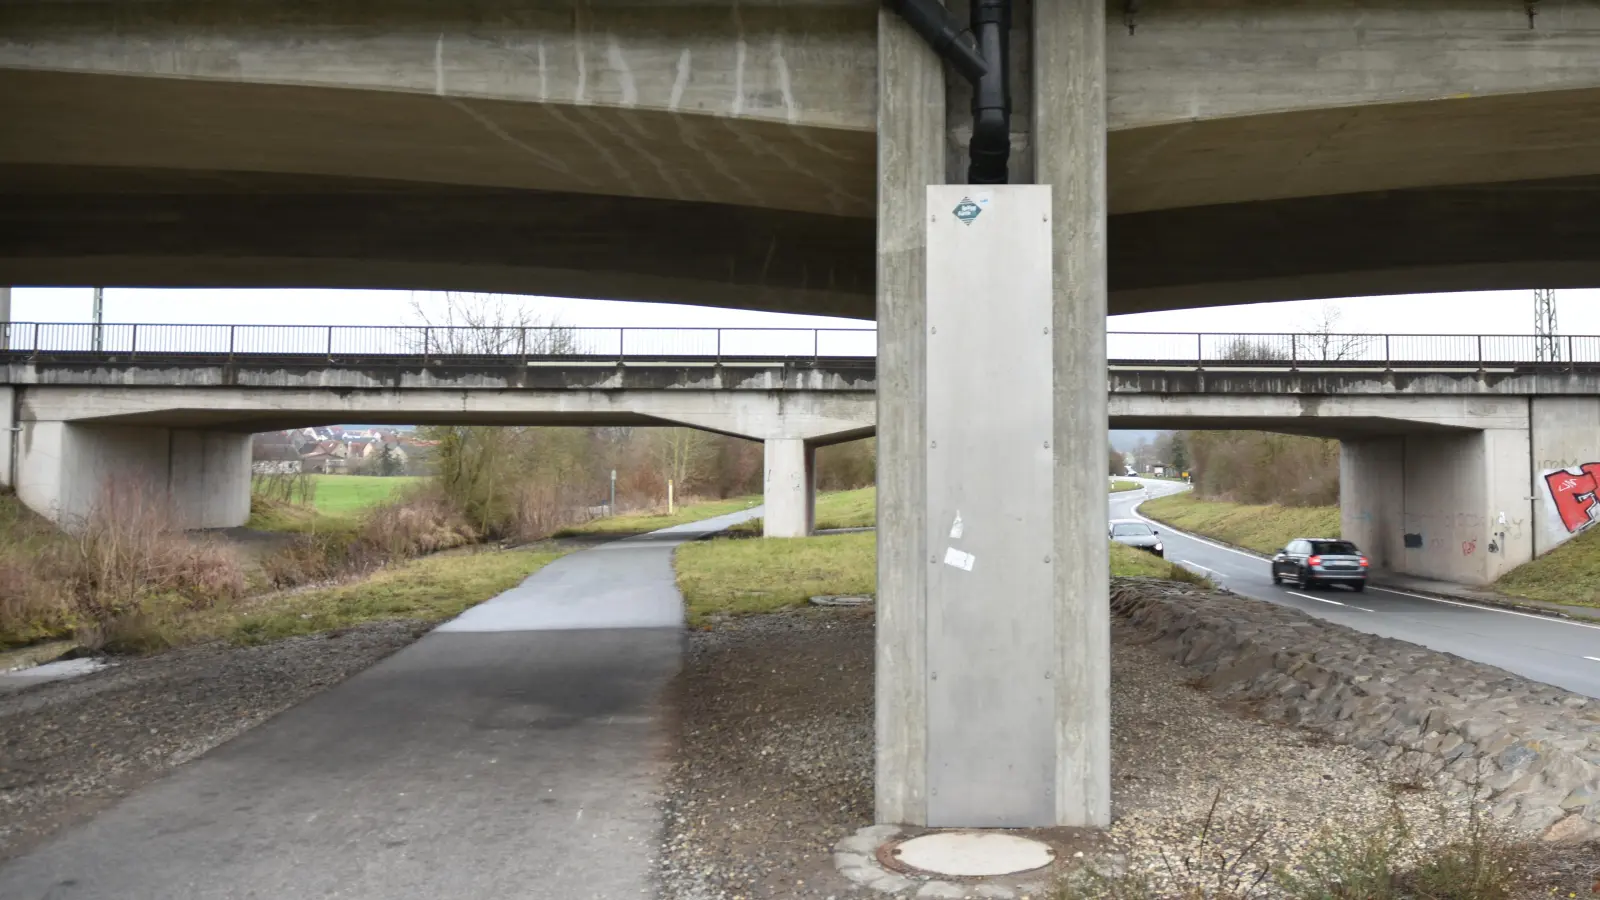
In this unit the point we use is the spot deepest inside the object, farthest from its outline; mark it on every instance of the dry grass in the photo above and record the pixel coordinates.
(128, 551)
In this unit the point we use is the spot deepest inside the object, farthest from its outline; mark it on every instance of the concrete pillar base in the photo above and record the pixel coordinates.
(64, 471)
(790, 488)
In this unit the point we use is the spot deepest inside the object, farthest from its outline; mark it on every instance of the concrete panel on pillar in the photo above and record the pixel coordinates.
(789, 488)
(990, 508)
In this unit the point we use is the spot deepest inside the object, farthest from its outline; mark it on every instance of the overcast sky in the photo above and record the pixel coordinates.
(1504, 312)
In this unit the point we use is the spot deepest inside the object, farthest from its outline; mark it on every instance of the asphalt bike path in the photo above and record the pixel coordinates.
(517, 751)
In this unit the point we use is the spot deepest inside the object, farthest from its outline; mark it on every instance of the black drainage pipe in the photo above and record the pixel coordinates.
(990, 149)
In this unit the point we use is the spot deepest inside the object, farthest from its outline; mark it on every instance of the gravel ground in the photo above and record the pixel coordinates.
(70, 748)
(775, 766)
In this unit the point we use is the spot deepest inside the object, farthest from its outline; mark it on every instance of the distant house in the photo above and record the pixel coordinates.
(274, 454)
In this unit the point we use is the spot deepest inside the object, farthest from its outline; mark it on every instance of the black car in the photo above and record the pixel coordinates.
(1308, 562)
(1135, 533)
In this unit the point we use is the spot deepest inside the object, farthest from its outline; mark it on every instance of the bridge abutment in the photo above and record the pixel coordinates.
(66, 470)
(1449, 506)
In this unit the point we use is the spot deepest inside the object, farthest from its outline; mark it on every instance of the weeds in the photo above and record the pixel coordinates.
(1479, 860)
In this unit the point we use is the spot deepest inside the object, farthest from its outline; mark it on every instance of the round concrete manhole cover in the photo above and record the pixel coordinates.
(973, 855)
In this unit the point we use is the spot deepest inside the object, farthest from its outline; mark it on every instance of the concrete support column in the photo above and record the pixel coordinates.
(5, 318)
(1069, 118)
(1372, 498)
(911, 148)
(8, 437)
(790, 488)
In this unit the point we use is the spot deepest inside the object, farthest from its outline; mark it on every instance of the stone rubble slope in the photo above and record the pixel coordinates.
(1530, 750)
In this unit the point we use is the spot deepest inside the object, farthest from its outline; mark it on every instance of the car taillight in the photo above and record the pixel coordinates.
(1364, 562)
(1314, 561)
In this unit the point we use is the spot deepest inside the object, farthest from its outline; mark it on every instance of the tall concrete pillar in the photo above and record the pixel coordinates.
(789, 488)
(1069, 119)
(922, 685)
(8, 437)
(5, 318)
(911, 149)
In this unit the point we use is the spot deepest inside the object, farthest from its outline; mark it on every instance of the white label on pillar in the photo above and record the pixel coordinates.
(962, 561)
(956, 528)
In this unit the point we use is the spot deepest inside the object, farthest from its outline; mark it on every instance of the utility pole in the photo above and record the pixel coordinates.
(99, 319)
(1546, 347)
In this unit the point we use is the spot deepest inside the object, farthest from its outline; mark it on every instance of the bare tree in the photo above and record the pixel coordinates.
(1323, 341)
(681, 454)
(474, 324)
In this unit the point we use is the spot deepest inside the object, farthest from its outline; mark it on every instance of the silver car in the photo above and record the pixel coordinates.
(1135, 533)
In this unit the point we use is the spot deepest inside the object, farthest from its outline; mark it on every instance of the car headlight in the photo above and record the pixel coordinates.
(1158, 546)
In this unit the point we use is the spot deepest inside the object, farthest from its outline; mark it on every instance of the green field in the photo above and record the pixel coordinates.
(344, 494)
(1264, 529)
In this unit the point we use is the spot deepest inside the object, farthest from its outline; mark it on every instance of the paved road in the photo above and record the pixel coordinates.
(1556, 652)
(516, 752)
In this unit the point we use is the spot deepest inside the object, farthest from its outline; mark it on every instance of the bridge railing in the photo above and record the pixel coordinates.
(1214, 350)
(370, 341)
(375, 342)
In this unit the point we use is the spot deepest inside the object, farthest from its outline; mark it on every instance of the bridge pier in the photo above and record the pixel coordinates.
(790, 488)
(65, 469)
(1451, 506)
(1062, 777)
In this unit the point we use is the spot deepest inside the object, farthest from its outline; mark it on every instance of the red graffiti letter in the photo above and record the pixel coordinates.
(1576, 496)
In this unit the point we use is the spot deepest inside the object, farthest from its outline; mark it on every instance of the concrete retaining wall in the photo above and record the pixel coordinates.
(1531, 751)
(1566, 468)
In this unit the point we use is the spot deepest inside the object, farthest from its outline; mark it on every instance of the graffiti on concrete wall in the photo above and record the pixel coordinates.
(1576, 495)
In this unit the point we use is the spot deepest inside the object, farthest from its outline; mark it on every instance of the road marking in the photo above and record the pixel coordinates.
(1190, 562)
(1326, 600)
(1509, 612)
(1593, 658)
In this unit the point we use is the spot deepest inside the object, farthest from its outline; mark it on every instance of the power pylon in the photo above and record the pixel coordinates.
(1546, 345)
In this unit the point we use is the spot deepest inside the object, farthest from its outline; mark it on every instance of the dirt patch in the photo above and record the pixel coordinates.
(775, 765)
(71, 748)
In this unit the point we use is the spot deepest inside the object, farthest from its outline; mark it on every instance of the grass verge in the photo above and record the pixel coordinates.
(1118, 487)
(641, 522)
(835, 509)
(1568, 574)
(743, 577)
(1264, 529)
(426, 590)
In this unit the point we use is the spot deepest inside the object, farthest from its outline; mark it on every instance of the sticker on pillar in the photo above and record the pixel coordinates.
(967, 210)
(956, 528)
(962, 561)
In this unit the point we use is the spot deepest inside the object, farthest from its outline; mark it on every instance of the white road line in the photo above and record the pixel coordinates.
(1190, 562)
(1509, 612)
(1326, 600)
(1594, 658)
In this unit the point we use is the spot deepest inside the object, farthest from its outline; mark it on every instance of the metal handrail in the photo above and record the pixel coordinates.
(444, 342)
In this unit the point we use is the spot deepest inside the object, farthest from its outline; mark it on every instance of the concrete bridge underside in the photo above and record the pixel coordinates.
(726, 153)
